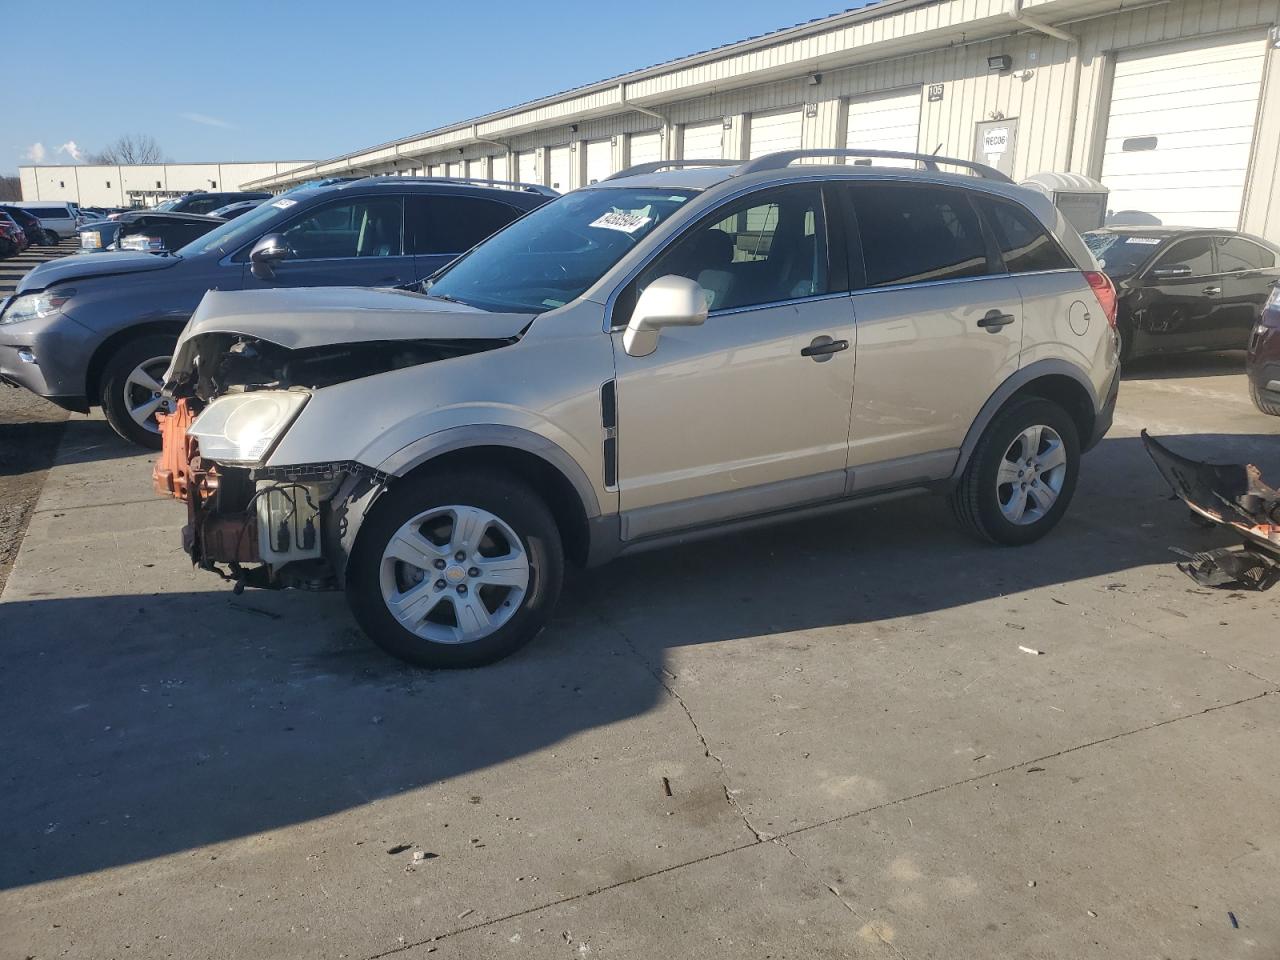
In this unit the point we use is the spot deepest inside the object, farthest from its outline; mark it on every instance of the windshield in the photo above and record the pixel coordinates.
(227, 236)
(166, 205)
(1119, 254)
(553, 255)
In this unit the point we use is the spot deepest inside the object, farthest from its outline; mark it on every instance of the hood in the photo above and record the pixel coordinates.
(306, 317)
(347, 331)
(67, 269)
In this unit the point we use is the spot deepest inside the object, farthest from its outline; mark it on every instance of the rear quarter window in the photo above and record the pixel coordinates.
(918, 234)
(1025, 244)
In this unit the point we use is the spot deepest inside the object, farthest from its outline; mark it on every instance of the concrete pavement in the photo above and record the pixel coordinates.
(861, 760)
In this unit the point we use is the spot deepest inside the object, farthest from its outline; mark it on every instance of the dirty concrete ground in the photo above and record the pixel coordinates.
(29, 429)
(861, 760)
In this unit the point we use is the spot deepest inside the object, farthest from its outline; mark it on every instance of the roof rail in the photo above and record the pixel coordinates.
(515, 184)
(784, 158)
(655, 165)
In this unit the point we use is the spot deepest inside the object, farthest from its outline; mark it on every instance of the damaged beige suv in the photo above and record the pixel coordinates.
(680, 350)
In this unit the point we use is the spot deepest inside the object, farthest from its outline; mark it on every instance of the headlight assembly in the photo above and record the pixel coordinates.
(33, 306)
(242, 427)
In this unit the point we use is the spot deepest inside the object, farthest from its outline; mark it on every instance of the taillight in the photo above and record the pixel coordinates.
(1105, 291)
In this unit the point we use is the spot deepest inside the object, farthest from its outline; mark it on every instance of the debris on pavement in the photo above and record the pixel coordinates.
(1235, 924)
(1232, 495)
(1031, 650)
(399, 848)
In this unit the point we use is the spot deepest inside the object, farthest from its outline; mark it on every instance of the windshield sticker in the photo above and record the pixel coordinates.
(1149, 241)
(284, 204)
(626, 222)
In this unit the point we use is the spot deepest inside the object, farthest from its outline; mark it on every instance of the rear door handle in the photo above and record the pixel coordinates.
(1211, 291)
(994, 320)
(823, 347)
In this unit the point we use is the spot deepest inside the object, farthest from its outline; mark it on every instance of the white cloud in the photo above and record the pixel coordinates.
(35, 153)
(73, 151)
(206, 120)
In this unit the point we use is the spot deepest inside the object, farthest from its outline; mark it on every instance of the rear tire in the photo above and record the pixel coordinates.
(123, 394)
(985, 501)
(1262, 403)
(512, 563)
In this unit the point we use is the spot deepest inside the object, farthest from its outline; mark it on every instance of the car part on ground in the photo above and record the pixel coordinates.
(1234, 496)
(640, 363)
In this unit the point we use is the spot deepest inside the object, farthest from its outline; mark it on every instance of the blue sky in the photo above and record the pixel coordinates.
(240, 80)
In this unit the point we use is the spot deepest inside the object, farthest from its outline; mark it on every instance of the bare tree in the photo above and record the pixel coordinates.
(130, 148)
(10, 187)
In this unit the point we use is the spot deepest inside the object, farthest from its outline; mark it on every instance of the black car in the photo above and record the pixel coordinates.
(30, 225)
(208, 202)
(1185, 289)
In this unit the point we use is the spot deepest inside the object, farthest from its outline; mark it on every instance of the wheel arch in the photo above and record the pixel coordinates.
(551, 472)
(1053, 380)
(103, 352)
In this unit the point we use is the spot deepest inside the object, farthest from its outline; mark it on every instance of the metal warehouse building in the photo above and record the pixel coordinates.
(1173, 104)
(141, 184)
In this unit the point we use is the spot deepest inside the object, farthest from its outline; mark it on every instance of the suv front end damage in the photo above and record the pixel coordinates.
(240, 379)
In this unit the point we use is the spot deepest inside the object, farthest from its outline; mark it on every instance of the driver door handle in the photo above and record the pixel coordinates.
(1211, 291)
(823, 347)
(994, 320)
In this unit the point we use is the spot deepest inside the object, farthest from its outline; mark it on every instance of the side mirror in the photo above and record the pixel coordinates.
(669, 301)
(266, 253)
(1173, 271)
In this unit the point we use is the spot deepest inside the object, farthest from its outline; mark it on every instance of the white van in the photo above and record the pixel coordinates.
(58, 216)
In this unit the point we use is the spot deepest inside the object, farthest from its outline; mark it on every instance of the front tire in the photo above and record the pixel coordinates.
(130, 394)
(455, 570)
(1022, 475)
(1262, 403)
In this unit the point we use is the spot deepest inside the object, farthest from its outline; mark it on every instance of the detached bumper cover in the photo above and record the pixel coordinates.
(1232, 495)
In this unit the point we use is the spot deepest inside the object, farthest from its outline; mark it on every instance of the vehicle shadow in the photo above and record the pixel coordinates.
(1223, 363)
(144, 724)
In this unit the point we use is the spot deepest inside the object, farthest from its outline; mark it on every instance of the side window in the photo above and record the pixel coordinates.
(766, 248)
(454, 224)
(361, 227)
(1236, 253)
(914, 234)
(203, 205)
(1195, 252)
(1024, 242)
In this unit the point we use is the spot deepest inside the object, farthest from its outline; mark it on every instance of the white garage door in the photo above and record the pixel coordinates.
(885, 121)
(599, 160)
(455, 169)
(475, 169)
(771, 132)
(435, 170)
(527, 167)
(500, 167)
(1180, 132)
(561, 163)
(704, 141)
(645, 147)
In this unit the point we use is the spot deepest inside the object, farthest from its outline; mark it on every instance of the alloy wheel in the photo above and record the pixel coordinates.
(142, 397)
(1031, 475)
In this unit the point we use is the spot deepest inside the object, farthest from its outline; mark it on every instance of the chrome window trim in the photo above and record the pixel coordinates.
(751, 308)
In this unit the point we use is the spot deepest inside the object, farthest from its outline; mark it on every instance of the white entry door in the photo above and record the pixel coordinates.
(560, 160)
(599, 160)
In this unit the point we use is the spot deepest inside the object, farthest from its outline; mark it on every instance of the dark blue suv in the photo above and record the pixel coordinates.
(90, 330)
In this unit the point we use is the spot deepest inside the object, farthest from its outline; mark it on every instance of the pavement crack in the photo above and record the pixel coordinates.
(867, 925)
(662, 677)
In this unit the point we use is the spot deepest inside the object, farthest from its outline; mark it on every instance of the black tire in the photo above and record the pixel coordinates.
(1124, 330)
(51, 238)
(514, 504)
(7, 248)
(115, 374)
(975, 500)
(1262, 403)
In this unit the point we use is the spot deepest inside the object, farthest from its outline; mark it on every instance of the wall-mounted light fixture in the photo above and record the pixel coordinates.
(999, 63)
(573, 128)
(814, 79)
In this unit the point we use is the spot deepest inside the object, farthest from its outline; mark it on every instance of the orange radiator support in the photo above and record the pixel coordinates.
(172, 472)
